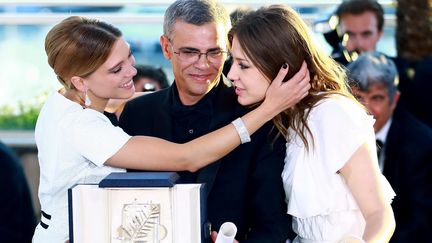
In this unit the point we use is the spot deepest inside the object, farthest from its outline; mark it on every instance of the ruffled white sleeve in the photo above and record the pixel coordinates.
(340, 128)
(312, 185)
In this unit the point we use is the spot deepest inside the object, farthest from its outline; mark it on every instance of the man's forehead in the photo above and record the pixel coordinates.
(207, 36)
(374, 87)
(364, 19)
(218, 28)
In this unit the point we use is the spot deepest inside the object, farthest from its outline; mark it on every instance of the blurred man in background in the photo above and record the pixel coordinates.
(361, 21)
(149, 78)
(405, 146)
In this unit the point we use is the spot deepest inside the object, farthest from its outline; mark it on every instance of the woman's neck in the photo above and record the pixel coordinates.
(78, 97)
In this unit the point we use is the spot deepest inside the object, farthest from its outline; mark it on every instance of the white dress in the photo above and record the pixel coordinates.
(323, 209)
(73, 144)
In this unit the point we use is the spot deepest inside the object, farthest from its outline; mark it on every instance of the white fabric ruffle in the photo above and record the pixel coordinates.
(311, 177)
(317, 196)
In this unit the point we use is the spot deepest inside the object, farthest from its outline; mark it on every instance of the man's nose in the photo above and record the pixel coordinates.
(202, 61)
(352, 43)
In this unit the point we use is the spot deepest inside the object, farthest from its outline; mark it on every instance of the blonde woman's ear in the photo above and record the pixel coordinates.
(79, 84)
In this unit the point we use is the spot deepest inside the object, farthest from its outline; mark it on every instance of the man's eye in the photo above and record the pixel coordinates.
(366, 36)
(214, 53)
(377, 99)
(189, 53)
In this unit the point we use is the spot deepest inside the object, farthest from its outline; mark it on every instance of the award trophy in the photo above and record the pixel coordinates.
(141, 223)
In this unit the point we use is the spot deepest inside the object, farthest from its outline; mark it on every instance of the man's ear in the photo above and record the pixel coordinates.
(165, 45)
(79, 83)
(395, 100)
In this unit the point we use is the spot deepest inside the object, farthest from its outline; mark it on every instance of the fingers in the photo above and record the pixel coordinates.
(302, 78)
(298, 86)
(301, 74)
(305, 81)
(283, 95)
(281, 74)
(213, 235)
(305, 91)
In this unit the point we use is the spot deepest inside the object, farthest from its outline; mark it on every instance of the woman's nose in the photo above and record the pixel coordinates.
(231, 74)
(132, 71)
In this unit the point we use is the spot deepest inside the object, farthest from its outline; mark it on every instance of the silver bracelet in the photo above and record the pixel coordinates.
(241, 130)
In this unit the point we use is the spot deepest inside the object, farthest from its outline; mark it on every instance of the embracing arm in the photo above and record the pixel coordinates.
(362, 175)
(150, 153)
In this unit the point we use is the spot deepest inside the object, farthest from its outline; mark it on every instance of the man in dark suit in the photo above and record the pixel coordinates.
(359, 29)
(16, 208)
(405, 156)
(362, 21)
(415, 86)
(244, 187)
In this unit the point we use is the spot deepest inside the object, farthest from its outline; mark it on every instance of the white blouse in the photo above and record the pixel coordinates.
(318, 198)
(73, 144)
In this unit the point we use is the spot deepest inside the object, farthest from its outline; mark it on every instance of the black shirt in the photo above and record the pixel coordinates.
(190, 122)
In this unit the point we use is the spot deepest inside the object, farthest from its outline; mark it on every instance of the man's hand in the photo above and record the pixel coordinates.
(214, 235)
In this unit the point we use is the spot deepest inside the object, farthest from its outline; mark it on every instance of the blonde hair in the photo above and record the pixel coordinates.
(77, 46)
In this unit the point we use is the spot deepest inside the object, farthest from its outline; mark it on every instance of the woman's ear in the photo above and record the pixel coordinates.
(79, 83)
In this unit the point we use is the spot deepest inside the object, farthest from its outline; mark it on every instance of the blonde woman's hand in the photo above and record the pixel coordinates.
(283, 95)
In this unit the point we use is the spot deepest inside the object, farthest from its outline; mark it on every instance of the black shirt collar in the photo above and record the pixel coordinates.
(203, 106)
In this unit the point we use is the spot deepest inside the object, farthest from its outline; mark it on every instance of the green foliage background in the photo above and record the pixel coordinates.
(20, 117)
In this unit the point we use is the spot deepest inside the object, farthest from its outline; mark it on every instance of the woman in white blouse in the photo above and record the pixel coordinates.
(334, 189)
(78, 144)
